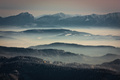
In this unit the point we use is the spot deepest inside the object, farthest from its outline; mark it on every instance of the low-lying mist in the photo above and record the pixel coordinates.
(56, 55)
(31, 37)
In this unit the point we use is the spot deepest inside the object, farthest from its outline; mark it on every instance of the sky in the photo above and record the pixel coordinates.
(41, 7)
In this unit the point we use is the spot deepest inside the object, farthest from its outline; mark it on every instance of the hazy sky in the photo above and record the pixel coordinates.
(40, 7)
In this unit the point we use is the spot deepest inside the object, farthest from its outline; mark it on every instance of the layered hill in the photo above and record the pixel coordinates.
(14, 51)
(56, 55)
(80, 49)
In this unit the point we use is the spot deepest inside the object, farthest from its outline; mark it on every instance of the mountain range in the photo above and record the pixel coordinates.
(14, 51)
(58, 60)
(57, 55)
(20, 19)
(67, 45)
(61, 19)
(58, 34)
(80, 49)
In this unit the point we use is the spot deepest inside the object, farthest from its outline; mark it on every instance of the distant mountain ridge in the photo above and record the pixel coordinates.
(60, 33)
(61, 19)
(68, 44)
(9, 51)
(17, 20)
(80, 49)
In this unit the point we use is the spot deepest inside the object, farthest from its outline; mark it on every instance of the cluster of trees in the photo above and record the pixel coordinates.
(30, 68)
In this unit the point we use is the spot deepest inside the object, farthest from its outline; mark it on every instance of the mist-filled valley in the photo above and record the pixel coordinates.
(32, 37)
(60, 47)
(57, 55)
